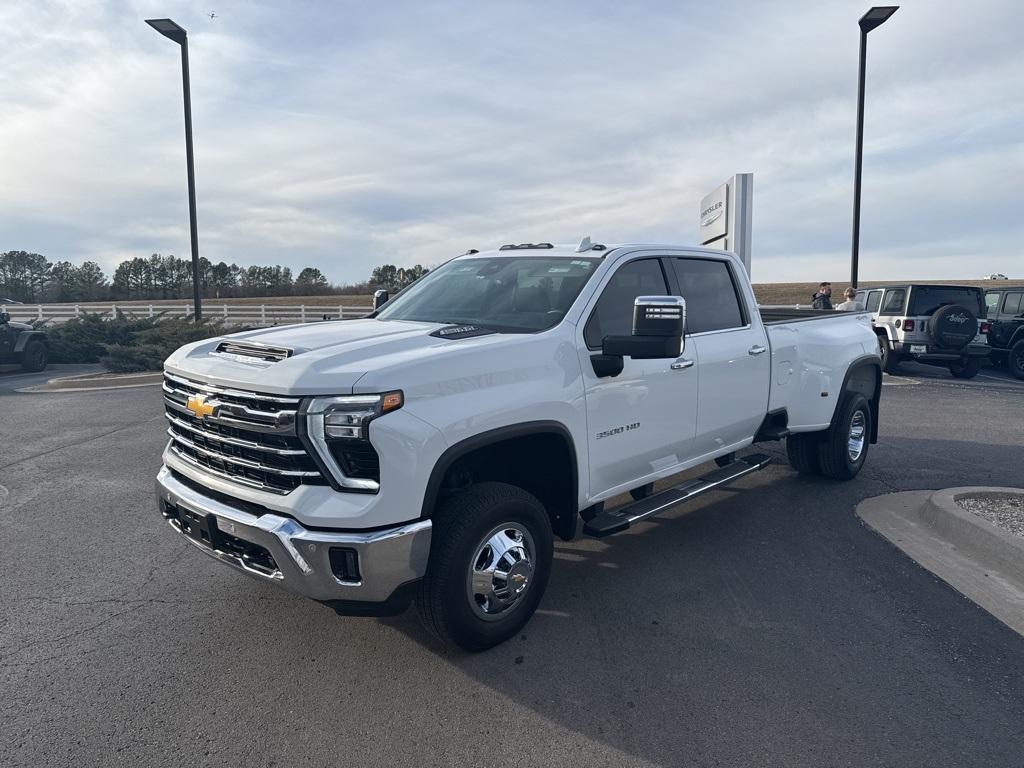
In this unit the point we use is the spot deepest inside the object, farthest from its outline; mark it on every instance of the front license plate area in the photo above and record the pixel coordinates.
(918, 349)
(197, 526)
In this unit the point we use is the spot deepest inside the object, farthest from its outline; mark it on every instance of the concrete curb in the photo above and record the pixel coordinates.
(982, 562)
(91, 382)
(972, 533)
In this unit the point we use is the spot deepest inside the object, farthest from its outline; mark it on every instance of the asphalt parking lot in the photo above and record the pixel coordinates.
(764, 625)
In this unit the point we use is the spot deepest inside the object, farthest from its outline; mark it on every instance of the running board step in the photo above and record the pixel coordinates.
(617, 520)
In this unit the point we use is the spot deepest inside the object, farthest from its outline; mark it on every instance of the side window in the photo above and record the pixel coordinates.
(893, 304)
(1012, 304)
(712, 301)
(991, 303)
(613, 313)
(874, 299)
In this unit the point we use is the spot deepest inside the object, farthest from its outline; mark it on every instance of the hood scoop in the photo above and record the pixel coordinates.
(461, 332)
(250, 352)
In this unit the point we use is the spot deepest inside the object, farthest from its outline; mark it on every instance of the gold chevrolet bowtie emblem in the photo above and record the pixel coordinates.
(198, 405)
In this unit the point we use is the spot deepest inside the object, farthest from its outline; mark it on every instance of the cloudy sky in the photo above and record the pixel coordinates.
(347, 134)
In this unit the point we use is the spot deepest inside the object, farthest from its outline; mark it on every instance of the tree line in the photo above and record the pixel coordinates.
(31, 278)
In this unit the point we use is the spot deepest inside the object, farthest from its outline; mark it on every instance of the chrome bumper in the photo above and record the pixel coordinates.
(387, 559)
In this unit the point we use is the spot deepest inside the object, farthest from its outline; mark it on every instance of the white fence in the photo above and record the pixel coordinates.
(229, 314)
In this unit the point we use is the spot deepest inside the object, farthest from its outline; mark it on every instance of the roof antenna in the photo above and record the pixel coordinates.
(585, 245)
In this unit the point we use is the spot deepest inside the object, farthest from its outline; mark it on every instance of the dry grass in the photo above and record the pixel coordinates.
(800, 293)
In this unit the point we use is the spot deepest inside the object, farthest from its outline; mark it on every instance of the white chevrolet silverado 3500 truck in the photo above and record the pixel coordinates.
(432, 450)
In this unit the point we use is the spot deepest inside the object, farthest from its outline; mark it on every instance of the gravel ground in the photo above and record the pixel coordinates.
(1007, 512)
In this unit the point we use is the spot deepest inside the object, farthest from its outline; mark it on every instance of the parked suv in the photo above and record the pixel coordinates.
(933, 324)
(21, 344)
(1006, 327)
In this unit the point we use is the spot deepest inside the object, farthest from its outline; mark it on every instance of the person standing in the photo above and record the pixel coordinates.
(851, 304)
(822, 299)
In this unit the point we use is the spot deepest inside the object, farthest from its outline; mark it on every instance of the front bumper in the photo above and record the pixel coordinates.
(299, 559)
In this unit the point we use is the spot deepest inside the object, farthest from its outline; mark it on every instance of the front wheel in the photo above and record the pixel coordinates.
(844, 446)
(1015, 359)
(490, 559)
(34, 357)
(967, 369)
(890, 360)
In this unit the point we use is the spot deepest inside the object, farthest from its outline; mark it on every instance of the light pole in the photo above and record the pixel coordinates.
(170, 30)
(873, 18)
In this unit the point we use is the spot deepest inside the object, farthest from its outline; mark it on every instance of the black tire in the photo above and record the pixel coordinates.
(890, 360)
(642, 492)
(725, 461)
(834, 450)
(802, 450)
(966, 369)
(34, 357)
(462, 525)
(1015, 359)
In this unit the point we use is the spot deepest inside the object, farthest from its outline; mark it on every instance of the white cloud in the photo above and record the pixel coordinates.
(344, 135)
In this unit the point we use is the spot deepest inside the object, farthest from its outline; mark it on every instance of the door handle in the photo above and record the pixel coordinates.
(680, 365)
(757, 349)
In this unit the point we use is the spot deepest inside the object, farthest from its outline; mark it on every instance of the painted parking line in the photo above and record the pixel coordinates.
(995, 378)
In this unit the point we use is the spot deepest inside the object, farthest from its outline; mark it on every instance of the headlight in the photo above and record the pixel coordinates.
(349, 417)
(339, 429)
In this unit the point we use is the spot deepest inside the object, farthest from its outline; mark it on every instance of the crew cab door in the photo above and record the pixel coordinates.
(732, 349)
(640, 422)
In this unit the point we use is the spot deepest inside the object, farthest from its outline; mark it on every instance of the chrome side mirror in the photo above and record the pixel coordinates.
(659, 323)
(380, 297)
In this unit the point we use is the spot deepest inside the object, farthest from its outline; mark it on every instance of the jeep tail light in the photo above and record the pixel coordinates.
(908, 325)
(985, 327)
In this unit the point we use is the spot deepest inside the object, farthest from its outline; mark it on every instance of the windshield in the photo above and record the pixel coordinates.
(512, 294)
(928, 299)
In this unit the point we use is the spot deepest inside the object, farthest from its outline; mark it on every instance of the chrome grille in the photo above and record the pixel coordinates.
(250, 439)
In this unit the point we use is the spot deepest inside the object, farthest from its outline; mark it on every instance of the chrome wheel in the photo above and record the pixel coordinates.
(501, 571)
(855, 442)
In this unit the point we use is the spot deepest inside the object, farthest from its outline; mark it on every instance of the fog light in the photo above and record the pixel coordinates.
(345, 564)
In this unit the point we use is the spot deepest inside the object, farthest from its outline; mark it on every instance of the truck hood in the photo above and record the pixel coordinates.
(323, 358)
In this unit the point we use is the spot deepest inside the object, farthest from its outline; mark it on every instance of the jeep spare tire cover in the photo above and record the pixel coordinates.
(953, 326)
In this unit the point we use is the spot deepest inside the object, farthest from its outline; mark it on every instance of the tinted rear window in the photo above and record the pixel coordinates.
(927, 299)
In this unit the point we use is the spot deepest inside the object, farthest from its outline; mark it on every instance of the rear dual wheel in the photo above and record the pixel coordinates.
(840, 451)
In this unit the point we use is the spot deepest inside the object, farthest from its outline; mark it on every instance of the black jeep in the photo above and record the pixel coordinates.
(21, 344)
(1006, 327)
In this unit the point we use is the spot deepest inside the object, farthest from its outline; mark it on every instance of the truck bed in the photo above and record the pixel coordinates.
(773, 315)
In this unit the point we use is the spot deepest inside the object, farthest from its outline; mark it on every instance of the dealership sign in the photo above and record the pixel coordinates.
(713, 221)
(726, 216)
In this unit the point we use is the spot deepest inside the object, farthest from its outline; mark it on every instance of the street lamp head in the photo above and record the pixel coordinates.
(169, 29)
(876, 17)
